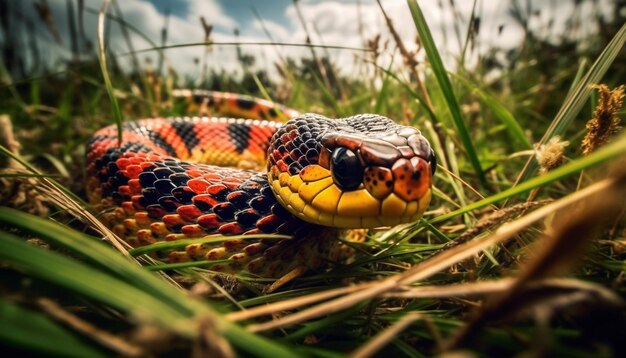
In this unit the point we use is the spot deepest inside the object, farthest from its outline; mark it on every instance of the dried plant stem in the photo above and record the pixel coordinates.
(460, 290)
(409, 59)
(320, 65)
(464, 183)
(8, 139)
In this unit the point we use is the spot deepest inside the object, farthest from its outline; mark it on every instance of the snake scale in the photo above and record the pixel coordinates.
(183, 178)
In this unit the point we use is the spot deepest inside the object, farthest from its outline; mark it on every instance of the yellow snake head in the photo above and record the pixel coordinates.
(363, 171)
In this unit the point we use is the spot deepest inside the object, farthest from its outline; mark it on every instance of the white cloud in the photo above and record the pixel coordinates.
(212, 12)
(329, 22)
(277, 31)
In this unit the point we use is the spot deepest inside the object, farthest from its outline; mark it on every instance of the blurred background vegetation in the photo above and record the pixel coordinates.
(531, 80)
(508, 100)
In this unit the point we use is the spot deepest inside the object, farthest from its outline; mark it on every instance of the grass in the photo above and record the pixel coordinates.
(514, 256)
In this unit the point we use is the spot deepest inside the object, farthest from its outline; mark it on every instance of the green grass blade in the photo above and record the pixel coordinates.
(610, 151)
(130, 26)
(188, 264)
(90, 248)
(213, 239)
(102, 58)
(412, 92)
(327, 95)
(446, 87)
(577, 97)
(381, 100)
(506, 117)
(26, 175)
(324, 323)
(86, 281)
(32, 331)
(255, 345)
(132, 288)
(500, 112)
(580, 72)
(253, 43)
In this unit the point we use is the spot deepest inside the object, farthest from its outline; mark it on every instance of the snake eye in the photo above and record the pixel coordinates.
(346, 169)
(432, 158)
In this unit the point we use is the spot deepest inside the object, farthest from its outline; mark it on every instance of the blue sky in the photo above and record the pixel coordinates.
(239, 9)
(332, 22)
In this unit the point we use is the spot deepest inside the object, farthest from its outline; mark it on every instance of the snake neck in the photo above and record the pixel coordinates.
(158, 198)
(190, 200)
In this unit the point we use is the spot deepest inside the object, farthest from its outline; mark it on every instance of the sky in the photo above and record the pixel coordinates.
(339, 22)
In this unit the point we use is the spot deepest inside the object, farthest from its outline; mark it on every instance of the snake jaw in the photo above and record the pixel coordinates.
(314, 197)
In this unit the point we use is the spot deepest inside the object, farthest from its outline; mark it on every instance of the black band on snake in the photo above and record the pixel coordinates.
(181, 178)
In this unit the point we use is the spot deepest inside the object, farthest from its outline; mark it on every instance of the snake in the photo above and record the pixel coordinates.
(245, 167)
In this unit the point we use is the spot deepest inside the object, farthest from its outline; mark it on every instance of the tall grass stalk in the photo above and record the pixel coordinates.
(446, 87)
(102, 57)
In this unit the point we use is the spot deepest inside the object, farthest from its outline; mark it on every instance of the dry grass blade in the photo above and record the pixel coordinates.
(57, 196)
(210, 342)
(469, 289)
(318, 62)
(383, 338)
(434, 264)
(485, 288)
(542, 299)
(556, 254)
(292, 303)
(7, 138)
(328, 307)
(105, 338)
(409, 58)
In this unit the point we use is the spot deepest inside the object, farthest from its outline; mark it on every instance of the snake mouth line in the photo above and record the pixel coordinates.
(317, 199)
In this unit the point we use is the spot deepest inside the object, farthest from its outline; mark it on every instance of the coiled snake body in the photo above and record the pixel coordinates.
(167, 181)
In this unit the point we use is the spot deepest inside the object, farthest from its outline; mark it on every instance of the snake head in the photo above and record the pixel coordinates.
(358, 172)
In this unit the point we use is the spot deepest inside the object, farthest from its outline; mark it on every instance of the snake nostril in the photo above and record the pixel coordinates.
(411, 183)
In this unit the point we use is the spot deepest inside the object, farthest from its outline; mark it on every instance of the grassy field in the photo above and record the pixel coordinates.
(522, 251)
